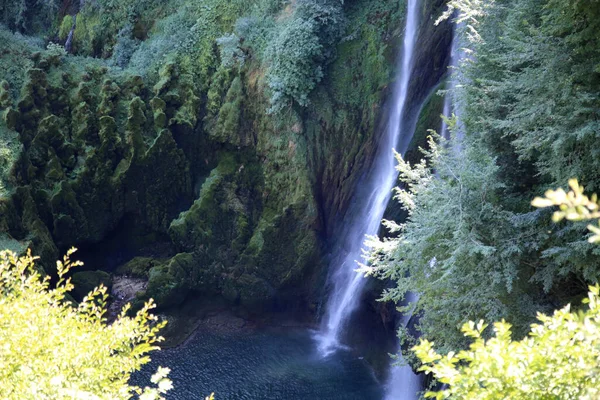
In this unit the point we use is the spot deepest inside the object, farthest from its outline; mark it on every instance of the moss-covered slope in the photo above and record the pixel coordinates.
(157, 137)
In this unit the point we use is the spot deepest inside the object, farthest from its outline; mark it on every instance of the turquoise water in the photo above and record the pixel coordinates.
(262, 365)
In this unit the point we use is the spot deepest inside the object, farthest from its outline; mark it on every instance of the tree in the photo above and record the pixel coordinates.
(51, 348)
(458, 249)
(472, 246)
(557, 360)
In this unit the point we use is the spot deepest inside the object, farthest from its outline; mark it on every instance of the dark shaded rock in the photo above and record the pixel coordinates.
(139, 267)
(86, 281)
(169, 283)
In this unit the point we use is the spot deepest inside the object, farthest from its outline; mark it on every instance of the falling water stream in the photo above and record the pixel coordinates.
(403, 383)
(452, 105)
(347, 284)
(268, 364)
(69, 42)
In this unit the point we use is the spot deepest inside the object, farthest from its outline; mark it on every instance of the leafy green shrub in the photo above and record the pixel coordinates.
(65, 27)
(296, 55)
(299, 52)
(125, 47)
(52, 349)
(168, 35)
(231, 54)
(557, 360)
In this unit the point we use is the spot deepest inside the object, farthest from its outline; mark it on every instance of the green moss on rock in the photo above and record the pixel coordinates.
(227, 124)
(169, 284)
(65, 27)
(86, 281)
(138, 267)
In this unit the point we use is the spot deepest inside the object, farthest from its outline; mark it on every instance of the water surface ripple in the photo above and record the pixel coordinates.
(262, 365)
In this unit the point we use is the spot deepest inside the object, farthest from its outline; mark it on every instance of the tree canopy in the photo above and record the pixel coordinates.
(558, 359)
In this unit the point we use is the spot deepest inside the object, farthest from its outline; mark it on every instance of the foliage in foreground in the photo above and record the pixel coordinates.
(557, 360)
(52, 349)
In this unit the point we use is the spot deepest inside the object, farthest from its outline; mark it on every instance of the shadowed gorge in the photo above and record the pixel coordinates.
(181, 160)
(234, 162)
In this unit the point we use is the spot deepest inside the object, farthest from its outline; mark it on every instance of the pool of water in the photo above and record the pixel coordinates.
(266, 364)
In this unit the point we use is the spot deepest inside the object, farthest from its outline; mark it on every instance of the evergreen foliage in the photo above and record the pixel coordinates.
(557, 360)
(453, 250)
(472, 247)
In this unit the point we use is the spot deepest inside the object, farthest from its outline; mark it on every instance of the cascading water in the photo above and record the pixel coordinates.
(451, 103)
(69, 42)
(347, 284)
(403, 383)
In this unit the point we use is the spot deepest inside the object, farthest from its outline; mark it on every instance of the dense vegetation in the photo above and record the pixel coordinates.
(192, 144)
(54, 349)
(528, 100)
(559, 357)
(209, 148)
(558, 360)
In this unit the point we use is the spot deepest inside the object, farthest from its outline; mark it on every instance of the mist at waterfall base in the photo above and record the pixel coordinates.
(367, 211)
(285, 363)
(265, 364)
(402, 382)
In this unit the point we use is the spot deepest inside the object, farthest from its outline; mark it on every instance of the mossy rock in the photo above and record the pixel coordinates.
(86, 281)
(42, 244)
(284, 249)
(429, 119)
(169, 283)
(65, 27)
(212, 221)
(253, 293)
(139, 267)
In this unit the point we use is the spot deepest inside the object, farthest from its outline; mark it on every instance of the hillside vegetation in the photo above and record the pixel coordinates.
(205, 146)
(473, 247)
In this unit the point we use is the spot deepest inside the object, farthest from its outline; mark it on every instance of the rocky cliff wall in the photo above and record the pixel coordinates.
(180, 162)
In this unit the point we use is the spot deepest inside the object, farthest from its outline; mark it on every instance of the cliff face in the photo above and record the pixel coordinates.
(170, 154)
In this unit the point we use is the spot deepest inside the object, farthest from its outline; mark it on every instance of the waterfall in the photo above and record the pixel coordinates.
(451, 103)
(347, 284)
(447, 112)
(403, 383)
(69, 42)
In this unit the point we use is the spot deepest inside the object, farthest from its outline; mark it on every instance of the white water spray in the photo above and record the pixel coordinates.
(451, 102)
(347, 283)
(403, 383)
